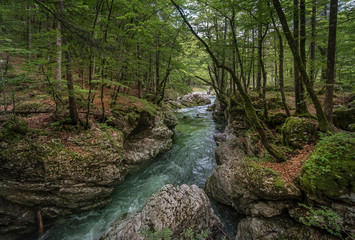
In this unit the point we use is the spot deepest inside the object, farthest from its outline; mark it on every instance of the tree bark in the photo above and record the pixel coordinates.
(281, 67)
(73, 111)
(260, 50)
(59, 53)
(322, 120)
(313, 42)
(303, 105)
(299, 91)
(329, 89)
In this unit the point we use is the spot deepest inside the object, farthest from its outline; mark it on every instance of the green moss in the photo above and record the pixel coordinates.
(31, 106)
(296, 132)
(276, 119)
(330, 171)
(343, 117)
(305, 115)
(259, 173)
(13, 128)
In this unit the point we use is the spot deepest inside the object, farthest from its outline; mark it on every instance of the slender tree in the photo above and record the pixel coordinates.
(248, 106)
(328, 101)
(322, 120)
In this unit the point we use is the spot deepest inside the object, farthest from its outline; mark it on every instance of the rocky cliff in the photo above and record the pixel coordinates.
(317, 204)
(58, 172)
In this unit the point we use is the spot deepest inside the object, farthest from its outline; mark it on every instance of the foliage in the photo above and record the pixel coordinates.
(330, 171)
(13, 127)
(323, 218)
(166, 234)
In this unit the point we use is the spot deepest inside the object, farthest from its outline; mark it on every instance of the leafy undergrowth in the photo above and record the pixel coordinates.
(291, 169)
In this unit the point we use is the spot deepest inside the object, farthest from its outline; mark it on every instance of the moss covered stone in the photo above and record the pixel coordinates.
(276, 119)
(343, 117)
(330, 171)
(296, 132)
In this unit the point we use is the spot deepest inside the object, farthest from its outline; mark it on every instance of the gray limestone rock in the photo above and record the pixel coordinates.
(177, 208)
(251, 189)
(277, 228)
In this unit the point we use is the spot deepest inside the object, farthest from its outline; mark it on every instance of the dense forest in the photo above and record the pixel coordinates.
(109, 69)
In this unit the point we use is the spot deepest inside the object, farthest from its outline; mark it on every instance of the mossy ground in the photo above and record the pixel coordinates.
(330, 171)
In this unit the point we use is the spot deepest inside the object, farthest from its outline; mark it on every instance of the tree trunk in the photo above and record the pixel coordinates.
(59, 53)
(313, 42)
(157, 66)
(3, 83)
(299, 91)
(281, 67)
(328, 101)
(260, 46)
(248, 105)
(303, 105)
(73, 111)
(322, 120)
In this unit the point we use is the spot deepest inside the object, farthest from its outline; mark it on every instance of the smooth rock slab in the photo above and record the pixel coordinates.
(177, 208)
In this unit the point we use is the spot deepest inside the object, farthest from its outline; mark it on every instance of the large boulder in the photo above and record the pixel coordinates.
(297, 131)
(147, 144)
(276, 228)
(177, 208)
(152, 136)
(330, 171)
(328, 177)
(195, 99)
(251, 189)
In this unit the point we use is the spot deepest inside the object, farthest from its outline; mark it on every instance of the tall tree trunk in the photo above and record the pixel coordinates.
(260, 51)
(328, 101)
(281, 75)
(303, 105)
(265, 113)
(322, 120)
(157, 67)
(281, 67)
(59, 53)
(3, 84)
(299, 96)
(73, 110)
(253, 60)
(248, 105)
(313, 41)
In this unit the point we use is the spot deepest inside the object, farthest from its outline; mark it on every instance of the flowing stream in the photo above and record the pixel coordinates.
(191, 160)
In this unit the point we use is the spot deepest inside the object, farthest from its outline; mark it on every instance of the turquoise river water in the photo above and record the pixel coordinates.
(191, 160)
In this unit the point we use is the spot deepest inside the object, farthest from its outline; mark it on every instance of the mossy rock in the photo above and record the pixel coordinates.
(343, 117)
(330, 171)
(352, 127)
(31, 106)
(13, 127)
(296, 132)
(276, 119)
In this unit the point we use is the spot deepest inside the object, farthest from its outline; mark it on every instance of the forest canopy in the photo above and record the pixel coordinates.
(81, 55)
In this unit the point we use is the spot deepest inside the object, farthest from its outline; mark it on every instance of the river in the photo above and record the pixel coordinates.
(191, 160)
